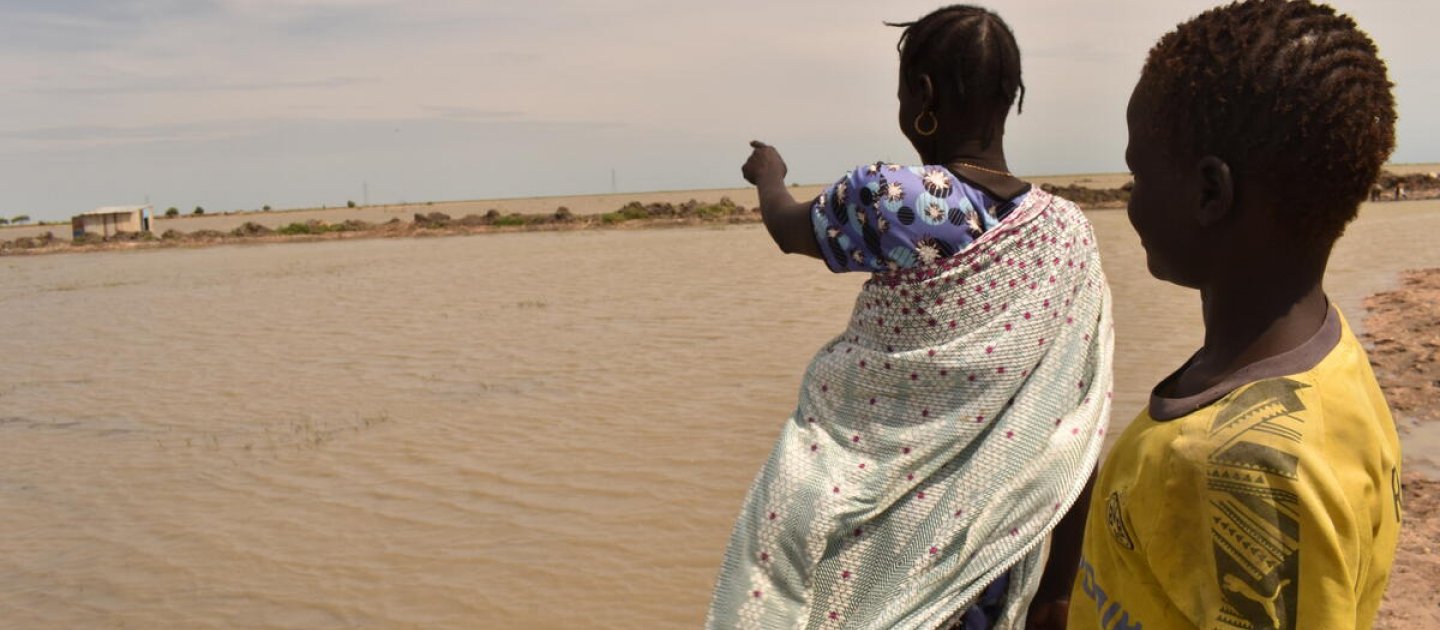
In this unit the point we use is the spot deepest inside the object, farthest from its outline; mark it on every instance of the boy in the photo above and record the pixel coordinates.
(1260, 488)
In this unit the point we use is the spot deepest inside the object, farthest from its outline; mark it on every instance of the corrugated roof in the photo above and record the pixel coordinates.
(114, 210)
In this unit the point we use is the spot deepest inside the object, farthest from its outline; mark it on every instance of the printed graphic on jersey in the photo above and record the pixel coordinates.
(1254, 512)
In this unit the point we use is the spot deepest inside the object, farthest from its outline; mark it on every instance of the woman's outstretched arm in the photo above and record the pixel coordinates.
(787, 220)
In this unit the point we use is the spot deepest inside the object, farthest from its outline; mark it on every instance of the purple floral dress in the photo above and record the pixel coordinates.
(882, 217)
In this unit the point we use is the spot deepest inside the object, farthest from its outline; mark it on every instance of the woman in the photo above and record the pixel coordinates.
(942, 438)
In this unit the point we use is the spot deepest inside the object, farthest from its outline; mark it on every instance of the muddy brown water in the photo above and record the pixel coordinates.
(536, 430)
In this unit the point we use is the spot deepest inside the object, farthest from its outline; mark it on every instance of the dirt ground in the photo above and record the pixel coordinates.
(1403, 332)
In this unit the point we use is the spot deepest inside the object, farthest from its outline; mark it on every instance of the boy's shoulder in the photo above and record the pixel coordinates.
(1333, 414)
(1262, 426)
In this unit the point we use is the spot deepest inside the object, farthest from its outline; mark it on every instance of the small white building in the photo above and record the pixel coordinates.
(111, 220)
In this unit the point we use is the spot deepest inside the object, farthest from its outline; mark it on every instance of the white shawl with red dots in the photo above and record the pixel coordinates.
(937, 442)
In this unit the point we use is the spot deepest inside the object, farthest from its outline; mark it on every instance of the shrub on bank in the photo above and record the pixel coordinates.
(294, 228)
(691, 209)
(126, 237)
(251, 228)
(1091, 196)
(351, 225)
(432, 220)
(29, 242)
(321, 227)
(309, 227)
(629, 212)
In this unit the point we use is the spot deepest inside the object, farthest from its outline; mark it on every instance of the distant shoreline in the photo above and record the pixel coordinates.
(432, 223)
(665, 209)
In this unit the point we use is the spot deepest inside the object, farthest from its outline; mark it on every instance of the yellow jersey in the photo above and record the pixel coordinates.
(1269, 501)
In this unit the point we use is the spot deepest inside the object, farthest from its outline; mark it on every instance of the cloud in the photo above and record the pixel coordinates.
(193, 84)
(106, 12)
(107, 135)
(442, 122)
(451, 112)
(71, 26)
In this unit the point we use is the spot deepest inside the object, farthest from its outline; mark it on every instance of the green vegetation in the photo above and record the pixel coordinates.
(198, 211)
(632, 211)
(4, 221)
(299, 228)
(432, 220)
(172, 211)
(321, 227)
(29, 242)
(349, 204)
(692, 209)
(250, 228)
(1092, 197)
(20, 218)
(265, 209)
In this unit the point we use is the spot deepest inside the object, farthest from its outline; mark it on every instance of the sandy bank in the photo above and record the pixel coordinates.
(1403, 331)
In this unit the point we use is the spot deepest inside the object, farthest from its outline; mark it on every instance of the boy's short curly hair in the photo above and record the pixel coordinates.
(1286, 90)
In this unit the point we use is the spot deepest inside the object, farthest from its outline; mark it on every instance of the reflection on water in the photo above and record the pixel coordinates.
(524, 430)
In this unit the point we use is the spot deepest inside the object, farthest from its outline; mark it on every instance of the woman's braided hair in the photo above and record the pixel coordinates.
(970, 55)
(1286, 90)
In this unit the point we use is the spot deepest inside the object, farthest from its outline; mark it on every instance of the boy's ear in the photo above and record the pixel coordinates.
(1217, 191)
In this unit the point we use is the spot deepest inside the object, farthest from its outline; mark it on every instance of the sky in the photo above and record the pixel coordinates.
(236, 104)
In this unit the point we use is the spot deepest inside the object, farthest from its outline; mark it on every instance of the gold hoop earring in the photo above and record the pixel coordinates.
(934, 123)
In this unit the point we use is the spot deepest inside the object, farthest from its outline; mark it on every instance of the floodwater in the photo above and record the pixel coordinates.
(535, 430)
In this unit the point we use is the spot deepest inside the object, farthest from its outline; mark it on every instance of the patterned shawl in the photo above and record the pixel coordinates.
(936, 442)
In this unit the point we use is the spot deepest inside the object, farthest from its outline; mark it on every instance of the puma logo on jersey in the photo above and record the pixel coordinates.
(1240, 587)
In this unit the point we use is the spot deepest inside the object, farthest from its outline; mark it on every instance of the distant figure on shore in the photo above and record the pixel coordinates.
(1399, 190)
(1260, 488)
(945, 435)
